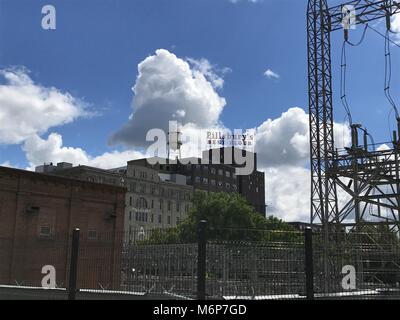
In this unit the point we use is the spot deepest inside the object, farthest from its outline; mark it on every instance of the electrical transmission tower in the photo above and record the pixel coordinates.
(369, 178)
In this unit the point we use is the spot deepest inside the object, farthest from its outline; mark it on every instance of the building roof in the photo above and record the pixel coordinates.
(56, 178)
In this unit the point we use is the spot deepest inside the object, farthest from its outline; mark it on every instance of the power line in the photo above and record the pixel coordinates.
(382, 35)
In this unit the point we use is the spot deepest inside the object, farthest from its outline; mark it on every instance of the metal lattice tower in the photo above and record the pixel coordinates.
(372, 177)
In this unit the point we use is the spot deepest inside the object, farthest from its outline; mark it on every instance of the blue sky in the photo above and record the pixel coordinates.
(97, 45)
(95, 51)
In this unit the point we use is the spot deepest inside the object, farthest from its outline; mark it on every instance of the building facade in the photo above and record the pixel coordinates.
(216, 174)
(152, 200)
(38, 213)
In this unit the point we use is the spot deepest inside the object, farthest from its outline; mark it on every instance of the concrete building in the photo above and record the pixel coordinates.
(218, 175)
(38, 213)
(153, 200)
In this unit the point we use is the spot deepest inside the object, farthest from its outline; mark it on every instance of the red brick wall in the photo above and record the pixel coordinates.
(63, 205)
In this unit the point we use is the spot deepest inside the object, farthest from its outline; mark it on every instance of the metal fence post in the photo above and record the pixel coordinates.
(201, 260)
(73, 267)
(309, 264)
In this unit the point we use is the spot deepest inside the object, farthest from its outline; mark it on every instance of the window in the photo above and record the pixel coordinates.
(152, 218)
(234, 186)
(234, 175)
(205, 180)
(142, 203)
(213, 182)
(45, 232)
(197, 180)
(130, 201)
(219, 183)
(169, 205)
(220, 172)
(205, 168)
(213, 171)
(92, 235)
(177, 220)
(130, 215)
(177, 207)
(159, 219)
(161, 204)
(152, 203)
(169, 219)
(256, 189)
(227, 185)
(228, 174)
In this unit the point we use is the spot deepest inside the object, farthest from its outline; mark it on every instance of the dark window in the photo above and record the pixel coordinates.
(45, 231)
(92, 235)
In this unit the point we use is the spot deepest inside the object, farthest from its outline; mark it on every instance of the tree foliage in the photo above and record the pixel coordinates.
(229, 217)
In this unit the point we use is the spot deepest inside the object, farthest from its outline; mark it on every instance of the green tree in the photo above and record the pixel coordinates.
(229, 217)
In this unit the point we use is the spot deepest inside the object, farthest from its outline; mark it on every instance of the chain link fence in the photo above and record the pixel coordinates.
(225, 263)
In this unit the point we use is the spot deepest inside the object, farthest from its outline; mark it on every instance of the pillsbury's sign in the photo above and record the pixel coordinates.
(227, 139)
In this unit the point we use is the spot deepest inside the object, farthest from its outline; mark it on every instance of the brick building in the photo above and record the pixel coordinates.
(38, 213)
(216, 172)
(153, 200)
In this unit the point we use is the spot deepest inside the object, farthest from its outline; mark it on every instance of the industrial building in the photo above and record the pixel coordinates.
(38, 213)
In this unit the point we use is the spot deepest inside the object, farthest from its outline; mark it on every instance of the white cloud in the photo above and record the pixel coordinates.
(209, 71)
(271, 74)
(287, 190)
(252, 1)
(285, 141)
(396, 27)
(39, 151)
(283, 148)
(28, 108)
(7, 164)
(168, 88)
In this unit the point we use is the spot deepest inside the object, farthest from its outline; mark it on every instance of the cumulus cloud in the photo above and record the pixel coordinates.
(283, 151)
(27, 108)
(169, 88)
(285, 140)
(396, 27)
(287, 191)
(211, 72)
(271, 74)
(39, 151)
